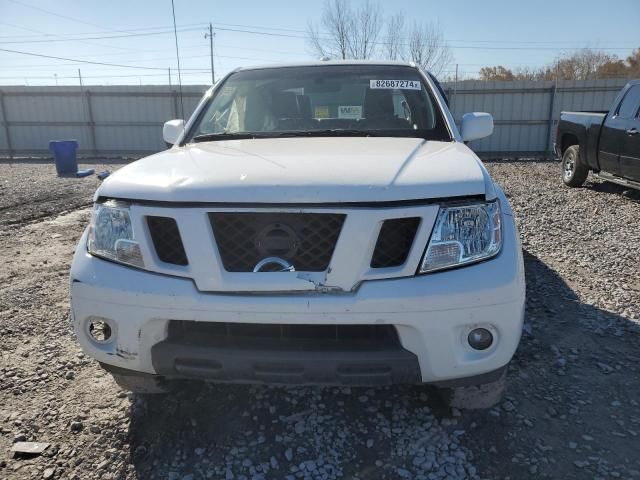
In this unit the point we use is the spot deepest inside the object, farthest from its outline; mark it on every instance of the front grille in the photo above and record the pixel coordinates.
(282, 336)
(166, 240)
(394, 242)
(305, 240)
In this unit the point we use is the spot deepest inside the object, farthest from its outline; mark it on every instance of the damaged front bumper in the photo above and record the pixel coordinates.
(431, 316)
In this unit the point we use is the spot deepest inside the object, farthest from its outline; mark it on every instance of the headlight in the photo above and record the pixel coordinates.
(111, 234)
(462, 235)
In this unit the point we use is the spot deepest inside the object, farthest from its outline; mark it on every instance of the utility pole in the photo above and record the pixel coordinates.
(55, 75)
(455, 88)
(210, 37)
(169, 78)
(80, 78)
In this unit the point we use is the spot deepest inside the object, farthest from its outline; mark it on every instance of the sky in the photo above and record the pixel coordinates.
(136, 36)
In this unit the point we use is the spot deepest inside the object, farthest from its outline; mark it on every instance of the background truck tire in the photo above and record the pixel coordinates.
(574, 171)
(141, 384)
(485, 395)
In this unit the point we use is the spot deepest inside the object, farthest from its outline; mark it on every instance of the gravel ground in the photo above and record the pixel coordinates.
(30, 191)
(571, 409)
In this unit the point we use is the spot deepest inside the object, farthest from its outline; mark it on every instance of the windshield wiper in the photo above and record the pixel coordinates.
(331, 132)
(343, 132)
(211, 137)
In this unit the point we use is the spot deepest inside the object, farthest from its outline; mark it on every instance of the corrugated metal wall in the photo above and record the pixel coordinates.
(127, 120)
(525, 113)
(121, 120)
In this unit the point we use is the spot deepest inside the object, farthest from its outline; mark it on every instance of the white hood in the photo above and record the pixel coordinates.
(302, 170)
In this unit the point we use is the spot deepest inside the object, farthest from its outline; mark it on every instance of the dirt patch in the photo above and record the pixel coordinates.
(32, 190)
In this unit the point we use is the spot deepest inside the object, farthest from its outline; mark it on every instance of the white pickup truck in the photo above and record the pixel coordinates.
(317, 223)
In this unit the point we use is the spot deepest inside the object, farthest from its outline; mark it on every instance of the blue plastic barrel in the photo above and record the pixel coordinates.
(64, 154)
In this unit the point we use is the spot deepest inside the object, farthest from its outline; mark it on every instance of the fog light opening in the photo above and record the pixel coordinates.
(480, 338)
(99, 331)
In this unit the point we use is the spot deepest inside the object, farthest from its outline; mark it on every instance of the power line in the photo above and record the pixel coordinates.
(127, 35)
(61, 36)
(525, 42)
(66, 17)
(270, 34)
(57, 14)
(471, 47)
(80, 34)
(216, 55)
(81, 61)
(133, 75)
(572, 43)
(260, 27)
(190, 47)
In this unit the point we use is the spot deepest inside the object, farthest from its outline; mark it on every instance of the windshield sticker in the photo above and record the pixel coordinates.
(395, 84)
(227, 90)
(321, 111)
(350, 111)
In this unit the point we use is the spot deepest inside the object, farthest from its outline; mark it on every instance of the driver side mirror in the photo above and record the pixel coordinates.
(172, 130)
(476, 125)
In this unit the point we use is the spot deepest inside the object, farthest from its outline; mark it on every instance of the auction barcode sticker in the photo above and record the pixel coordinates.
(394, 84)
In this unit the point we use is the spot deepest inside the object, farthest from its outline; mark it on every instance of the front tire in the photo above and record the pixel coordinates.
(476, 397)
(574, 171)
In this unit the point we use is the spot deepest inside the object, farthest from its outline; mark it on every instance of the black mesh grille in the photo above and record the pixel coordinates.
(305, 240)
(394, 242)
(166, 240)
(208, 333)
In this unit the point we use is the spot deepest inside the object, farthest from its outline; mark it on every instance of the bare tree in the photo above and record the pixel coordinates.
(427, 48)
(337, 20)
(367, 23)
(393, 46)
(343, 32)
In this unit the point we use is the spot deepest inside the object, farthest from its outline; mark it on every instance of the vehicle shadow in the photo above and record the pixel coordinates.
(612, 188)
(563, 381)
(571, 378)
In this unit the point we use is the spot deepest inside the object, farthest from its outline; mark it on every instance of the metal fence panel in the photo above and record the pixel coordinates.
(4, 145)
(105, 120)
(128, 119)
(35, 139)
(526, 112)
(134, 109)
(126, 139)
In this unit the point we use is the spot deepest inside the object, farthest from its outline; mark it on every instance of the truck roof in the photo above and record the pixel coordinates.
(320, 63)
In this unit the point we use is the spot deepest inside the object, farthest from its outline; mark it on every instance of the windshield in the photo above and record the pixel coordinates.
(354, 100)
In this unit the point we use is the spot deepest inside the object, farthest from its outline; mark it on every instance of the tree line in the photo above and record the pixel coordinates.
(584, 64)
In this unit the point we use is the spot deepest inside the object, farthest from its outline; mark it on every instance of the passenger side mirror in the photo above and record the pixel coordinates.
(476, 125)
(172, 130)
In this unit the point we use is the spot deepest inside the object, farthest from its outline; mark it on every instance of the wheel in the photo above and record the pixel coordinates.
(574, 171)
(485, 395)
(148, 384)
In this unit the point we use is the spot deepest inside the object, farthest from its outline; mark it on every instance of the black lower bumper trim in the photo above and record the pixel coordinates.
(227, 363)
(203, 372)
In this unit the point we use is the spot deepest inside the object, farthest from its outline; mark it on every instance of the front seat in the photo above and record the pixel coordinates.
(379, 111)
